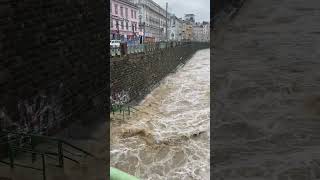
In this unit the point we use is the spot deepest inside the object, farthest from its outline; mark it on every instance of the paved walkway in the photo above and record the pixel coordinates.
(267, 85)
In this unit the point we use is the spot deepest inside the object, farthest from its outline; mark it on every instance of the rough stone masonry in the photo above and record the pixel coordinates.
(134, 75)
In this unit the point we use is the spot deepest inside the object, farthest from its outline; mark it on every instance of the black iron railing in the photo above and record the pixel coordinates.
(25, 142)
(125, 49)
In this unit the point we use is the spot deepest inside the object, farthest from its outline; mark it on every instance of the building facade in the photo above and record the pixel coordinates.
(197, 32)
(152, 20)
(187, 31)
(206, 31)
(201, 32)
(175, 28)
(123, 20)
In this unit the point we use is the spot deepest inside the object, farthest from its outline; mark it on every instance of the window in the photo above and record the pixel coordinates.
(121, 11)
(121, 24)
(116, 8)
(135, 14)
(126, 11)
(127, 25)
(131, 13)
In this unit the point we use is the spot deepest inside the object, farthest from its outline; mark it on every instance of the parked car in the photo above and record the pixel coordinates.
(115, 43)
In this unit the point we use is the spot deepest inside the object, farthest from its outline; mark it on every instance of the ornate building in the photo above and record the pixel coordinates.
(152, 19)
(123, 20)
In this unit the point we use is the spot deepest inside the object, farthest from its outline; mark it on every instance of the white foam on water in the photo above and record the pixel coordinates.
(168, 138)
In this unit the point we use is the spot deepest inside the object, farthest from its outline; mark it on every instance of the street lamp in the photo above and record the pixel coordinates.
(142, 25)
(118, 32)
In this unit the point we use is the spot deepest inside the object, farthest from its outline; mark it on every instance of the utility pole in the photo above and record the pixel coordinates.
(159, 22)
(166, 21)
(144, 31)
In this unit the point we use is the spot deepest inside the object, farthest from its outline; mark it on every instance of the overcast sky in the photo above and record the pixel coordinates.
(201, 8)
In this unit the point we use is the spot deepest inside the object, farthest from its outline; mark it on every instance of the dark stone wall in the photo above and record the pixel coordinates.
(133, 76)
(53, 61)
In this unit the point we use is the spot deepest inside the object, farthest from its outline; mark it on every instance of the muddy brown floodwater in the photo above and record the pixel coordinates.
(168, 135)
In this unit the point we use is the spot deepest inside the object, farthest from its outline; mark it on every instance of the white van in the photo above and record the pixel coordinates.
(115, 43)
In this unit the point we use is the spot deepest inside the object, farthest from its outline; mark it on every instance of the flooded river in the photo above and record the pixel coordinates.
(167, 136)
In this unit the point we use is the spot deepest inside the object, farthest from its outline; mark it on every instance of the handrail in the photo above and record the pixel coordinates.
(72, 153)
(12, 164)
(60, 153)
(31, 134)
(147, 47)
(44, 154)
(79, 149)
(51, 138)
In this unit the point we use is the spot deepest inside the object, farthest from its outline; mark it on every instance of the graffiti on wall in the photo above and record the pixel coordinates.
(119, 100)
(37, 115)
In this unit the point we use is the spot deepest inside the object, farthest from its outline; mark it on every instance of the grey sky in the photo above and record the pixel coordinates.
(201, 8)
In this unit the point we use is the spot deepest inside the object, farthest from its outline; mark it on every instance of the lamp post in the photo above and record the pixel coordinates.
(133, 30)
(142, 27)
(118, 32)
(167, 21)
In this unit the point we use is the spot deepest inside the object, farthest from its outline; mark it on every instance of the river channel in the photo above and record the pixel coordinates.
(167, 136)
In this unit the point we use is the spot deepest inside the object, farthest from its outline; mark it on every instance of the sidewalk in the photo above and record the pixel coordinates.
(267, 70)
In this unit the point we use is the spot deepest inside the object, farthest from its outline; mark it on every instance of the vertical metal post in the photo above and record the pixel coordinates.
(10, 156)
(144, 31)
(43, 166)
(123, 114)
(166, 20)
(60, 153)
(33, 155)
(159, 24)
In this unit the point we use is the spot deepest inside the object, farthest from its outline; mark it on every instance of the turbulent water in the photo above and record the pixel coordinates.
(167, 136)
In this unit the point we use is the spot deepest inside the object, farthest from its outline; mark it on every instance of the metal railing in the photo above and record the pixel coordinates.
(122, 109)
(144, 48)
(12, 163)
(13, 144)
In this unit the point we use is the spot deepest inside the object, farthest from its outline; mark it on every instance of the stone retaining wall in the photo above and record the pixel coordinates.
(133, 76)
